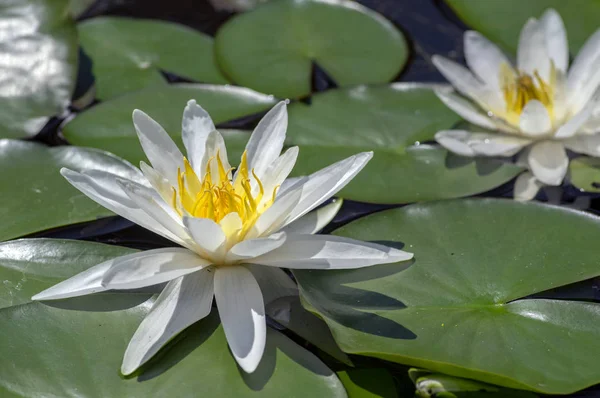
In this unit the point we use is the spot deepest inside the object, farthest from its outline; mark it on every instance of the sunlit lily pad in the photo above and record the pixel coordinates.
(458, 308)
(35, 197)
(389, 120)
(368, 383)
(272, 48)
(109, 126)
(502, 20)
(584, 173)
(128, 54)
(38, 65)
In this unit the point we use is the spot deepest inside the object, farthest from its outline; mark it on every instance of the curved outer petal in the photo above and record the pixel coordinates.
(584, 75)
(207, 234)
(484, 58)
(466, 143)
(526, 186)
(575, 123)
(329, 252)
(277, 173)
(586, 144)
(251, 248)
(548, 162)
(242, 313)
(555, 34)
(183, 302)
(160, 149)
(266, 141)
(159, 183)
(466, 110)
(116, 200)
(535, 119)
(314, 221)
(274, 282)
(532, 54)
(152, 267)
(196, 124)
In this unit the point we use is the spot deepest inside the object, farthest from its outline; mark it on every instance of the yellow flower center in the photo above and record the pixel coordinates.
(217, 195)
(520, 88)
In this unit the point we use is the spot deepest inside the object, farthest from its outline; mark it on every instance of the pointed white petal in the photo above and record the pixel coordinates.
(152, 267)
(466, 143)
(535, 120)
(329, 252)
(242, 313)
(274, 282)
(116, 200)
(250, 248)
(532, 54)
(573, 125)
(314, 221)
(206, 233)
(466, 109)
(274, 218)
(584, 74)
(548, 162)
(267, 139)
(555, 34)
(586, 144)
(526, 187)
(278, 171)
(484, 58)
(158, 182)
(159, 148)
(183, 302)
(289, 183)
(196, 124)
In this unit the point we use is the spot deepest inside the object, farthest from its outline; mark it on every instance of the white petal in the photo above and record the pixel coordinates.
(535, 120)
(251, 248)
(584, 74)
(196, 124)
(242, 313)
(267, 139)
(465, 109)
(274, 217)
(586, 144)
(314, 221)
(183, 302)
(274, 282)
(207, 234)
(116, 200)
(526, 187)
(548, 162)
(215, 146)
(573, 125)
(532, 54)
(329, 252)
(466, 143)
(152, 267)
(159, 183)
(289, 183)
(556, 39)
(278, 171)
(158, 146)
(484, 58)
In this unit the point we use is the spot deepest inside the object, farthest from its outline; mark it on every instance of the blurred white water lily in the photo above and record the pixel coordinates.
(539, 103)
(237, 231)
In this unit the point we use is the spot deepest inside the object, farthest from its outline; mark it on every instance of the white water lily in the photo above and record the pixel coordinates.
(539, 103)
(237, 231)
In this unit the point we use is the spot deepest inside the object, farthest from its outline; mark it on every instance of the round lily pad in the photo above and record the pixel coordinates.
(272, 48)
(129, 54)
(109, 126)
(502, 20)
(584, 173)
(38, 65)
(393, 121)
(460, 306)
(35, 197)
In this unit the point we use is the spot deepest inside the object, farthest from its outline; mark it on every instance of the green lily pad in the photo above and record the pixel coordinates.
(128, 54)
(108, 126)
(392, 121)
(28, 266)
(584, 173)
(272, 48)
(36, 197)
(457, 308)
(368, 383)
(502, 20)
(38, 65)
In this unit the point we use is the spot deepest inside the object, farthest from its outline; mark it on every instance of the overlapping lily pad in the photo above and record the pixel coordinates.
(128, 54)
(38, 66)
(458, 308)
(36, 197)
(272, 48)
(584, 173)
(502, 20)
(389, 120)
(109, 126)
